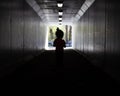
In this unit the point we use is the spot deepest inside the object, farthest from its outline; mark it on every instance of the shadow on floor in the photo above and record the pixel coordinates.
(77, 72)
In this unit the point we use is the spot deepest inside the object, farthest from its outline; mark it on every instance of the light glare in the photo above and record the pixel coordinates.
(60, 5)
(60, 19)
(60, 13)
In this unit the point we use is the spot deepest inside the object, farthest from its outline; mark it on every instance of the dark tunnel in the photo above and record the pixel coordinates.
(95, 53)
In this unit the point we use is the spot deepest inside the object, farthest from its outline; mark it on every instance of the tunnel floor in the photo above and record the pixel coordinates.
(77, 72)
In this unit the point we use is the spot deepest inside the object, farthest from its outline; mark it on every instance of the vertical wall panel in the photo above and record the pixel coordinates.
(5, 25)
(112, 38)
(22, 33)
(99, 31)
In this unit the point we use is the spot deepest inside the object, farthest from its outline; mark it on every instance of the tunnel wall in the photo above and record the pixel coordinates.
(22, 33)
(97, 36)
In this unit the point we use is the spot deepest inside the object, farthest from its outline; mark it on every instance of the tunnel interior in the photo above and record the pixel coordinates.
(95, 31)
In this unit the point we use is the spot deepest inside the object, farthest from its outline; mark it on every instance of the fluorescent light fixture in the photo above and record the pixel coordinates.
(80, 13)
(60, 13)
(31, 2)
(60, 5)
(37, 9)
(77, 17)
(83, 9)
(89, 2)
(60, 19)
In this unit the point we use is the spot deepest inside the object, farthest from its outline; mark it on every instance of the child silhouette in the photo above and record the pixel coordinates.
(59, 43)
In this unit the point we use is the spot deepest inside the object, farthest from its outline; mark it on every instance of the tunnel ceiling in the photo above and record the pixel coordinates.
(50, 9)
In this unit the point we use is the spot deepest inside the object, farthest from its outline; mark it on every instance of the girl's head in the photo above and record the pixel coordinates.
(59, 33)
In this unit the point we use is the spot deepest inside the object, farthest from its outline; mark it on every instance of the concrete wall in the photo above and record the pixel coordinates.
(22, 34)
(97, 35)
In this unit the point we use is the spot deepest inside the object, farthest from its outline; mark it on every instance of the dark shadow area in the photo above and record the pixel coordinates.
(77, 72)
(10, 60)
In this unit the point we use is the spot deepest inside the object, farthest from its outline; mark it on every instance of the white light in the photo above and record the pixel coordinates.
(31, 2)
(83, 9)
(60, 18)
(60, 4)
(80, 13)
(89, 2)
(77, 17)
(60, 13)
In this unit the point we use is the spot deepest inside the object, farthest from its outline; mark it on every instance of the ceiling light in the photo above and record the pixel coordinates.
(60, 13)
(60, 18)
(60, 5)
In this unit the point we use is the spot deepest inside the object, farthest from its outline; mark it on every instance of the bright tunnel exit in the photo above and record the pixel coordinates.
(68, 36)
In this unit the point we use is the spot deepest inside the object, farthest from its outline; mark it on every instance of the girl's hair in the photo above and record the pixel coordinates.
(59, 33)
